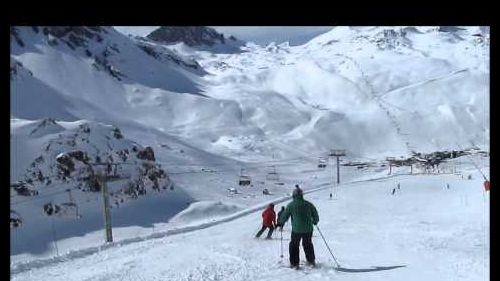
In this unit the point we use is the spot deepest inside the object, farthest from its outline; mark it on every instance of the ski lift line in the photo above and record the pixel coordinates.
(224, 165)
(251, 166)
(51, 177)
(81, 168)
(59, 188)
(305, 154)
(281, 163)
(286, 161)
(226, 170)
(235, 170)
(170, 173)
(49, 195)
(54, 191)
(248, 164)
(38, 197)
(64, 189)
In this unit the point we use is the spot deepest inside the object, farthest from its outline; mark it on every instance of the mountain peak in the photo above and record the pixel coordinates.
(190, 35)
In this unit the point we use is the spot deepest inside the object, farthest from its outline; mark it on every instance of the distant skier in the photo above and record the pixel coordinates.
(280, 217)
(268, 221)
(448, 186)
(399, 186)
(393, 191)
(304, 216)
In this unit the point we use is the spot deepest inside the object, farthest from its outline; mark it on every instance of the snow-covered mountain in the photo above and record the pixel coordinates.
(361, 88)
(212, 108)
(72, 155)
(365, 89)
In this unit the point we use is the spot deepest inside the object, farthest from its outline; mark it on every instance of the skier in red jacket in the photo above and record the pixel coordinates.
(268, 221)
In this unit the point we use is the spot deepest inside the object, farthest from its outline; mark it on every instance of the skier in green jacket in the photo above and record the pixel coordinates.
(304, 216)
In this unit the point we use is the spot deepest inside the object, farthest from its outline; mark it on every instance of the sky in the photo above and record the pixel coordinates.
(261, 35)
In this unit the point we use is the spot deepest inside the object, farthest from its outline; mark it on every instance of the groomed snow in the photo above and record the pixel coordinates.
(432, 232)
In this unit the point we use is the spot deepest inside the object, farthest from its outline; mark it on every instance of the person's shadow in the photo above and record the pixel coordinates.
(373, 268)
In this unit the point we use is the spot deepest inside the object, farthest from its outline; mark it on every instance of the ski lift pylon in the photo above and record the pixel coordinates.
(272, 175)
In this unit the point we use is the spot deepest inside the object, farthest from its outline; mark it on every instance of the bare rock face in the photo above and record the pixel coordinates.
(79, 39)
(165, 55)
(449, 29)
(65, 164)
(190, 35)
(146, 154)
(24, 189)
(17, 70)
(15, 219)
(73, 36)
(14, 33)
(391, 38)
(83, 159)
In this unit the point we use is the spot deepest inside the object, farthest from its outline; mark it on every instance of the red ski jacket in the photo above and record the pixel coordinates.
(269, 217)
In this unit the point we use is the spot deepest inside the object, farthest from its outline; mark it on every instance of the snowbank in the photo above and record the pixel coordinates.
(205, 210)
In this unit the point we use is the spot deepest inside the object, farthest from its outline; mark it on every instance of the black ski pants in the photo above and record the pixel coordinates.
(271, 229)
(306, 243)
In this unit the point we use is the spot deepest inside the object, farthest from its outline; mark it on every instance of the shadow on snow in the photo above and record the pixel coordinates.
(373, 268)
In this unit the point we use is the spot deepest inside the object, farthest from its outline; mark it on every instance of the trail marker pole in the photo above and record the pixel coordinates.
(337, 153)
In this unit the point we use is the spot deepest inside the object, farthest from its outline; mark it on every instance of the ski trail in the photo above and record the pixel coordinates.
(424, 82)
(230, 253)
(24, 266)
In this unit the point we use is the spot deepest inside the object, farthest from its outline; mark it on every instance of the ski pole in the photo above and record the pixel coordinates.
(334, 259)
(281, 242)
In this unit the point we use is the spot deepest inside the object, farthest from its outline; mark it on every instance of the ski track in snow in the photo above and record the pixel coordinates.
(37, 263)
(225, 249)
